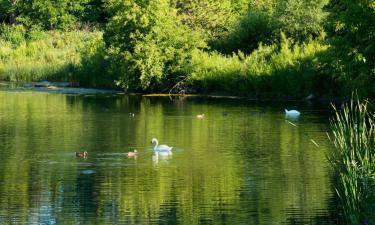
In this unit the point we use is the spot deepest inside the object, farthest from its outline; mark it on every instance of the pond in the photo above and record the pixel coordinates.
(243, 163)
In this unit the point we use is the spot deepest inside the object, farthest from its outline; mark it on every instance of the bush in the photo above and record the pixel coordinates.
(149, 45)
(254, 28)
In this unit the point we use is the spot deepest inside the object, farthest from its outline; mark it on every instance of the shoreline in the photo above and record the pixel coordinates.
(63, 88)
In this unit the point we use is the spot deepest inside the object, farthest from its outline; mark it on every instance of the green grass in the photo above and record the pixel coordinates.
(55, 56)
(353, 161)
(288, 70)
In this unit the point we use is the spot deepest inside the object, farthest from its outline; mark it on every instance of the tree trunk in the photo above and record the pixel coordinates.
(12, 18)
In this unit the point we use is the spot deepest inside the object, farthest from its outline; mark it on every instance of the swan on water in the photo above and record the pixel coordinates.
(161, 148)
(292, 112)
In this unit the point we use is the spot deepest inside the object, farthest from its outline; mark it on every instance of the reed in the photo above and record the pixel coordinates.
(55, 56)
(353, 161)
(285, 70)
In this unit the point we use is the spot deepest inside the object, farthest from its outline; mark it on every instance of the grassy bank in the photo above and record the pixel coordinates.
(285, 70)
(282, 71)
(54, 55)
(353, 161)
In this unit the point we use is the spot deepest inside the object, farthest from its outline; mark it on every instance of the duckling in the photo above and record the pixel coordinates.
(133, 153)
(81, 154)
(200, 116)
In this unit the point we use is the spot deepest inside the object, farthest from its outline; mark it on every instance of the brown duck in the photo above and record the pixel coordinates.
(82, 154)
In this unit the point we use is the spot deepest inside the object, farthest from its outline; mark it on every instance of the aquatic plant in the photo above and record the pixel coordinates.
(353, 161)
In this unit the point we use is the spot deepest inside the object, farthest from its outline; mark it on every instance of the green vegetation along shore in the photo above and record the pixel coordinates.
(251, 48)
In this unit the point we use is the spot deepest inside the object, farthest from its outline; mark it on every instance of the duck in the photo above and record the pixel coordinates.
(81, 154)
(292, 113)
(161, 148)
(200, 116)
(133, 153)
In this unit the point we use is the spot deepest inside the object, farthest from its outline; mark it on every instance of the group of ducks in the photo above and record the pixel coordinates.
(158, 149)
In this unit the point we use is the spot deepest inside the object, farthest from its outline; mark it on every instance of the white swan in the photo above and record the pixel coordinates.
(292, 113)
(161, 148)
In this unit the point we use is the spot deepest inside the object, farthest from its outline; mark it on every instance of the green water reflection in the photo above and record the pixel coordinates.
(242, 164)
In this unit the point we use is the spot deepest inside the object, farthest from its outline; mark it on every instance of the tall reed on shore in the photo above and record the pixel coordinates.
(271, 71)
(353, 161)
(54, 56)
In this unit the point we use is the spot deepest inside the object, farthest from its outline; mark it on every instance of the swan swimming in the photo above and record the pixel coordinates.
(293, 113)
(161, 148)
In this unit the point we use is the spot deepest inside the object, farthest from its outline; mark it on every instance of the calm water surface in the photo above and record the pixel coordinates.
(244, 163)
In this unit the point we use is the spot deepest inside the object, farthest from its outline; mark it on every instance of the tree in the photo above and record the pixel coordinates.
(301, 19)
(12, 18)
(61, 14)
(351, 30)
(214, 19)
(94, 12)
(148, 44)
(8, 10)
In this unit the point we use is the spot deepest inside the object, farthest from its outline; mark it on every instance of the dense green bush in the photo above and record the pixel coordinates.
(149, 44)
(301, 19)
(255, 27)
(352, 33)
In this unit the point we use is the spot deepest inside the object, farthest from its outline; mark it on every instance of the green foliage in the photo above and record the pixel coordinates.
(5, 9)
(94, 12)
(301, 19)
(14, 34)
(154, 45)
(91, 69)
(149, 45)
(55, 56)
(34, 33)
(60, 14)
(270, 71)
(212, 18)
(264, 20)
(353, 161)
(255, 27)
(352, 33)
